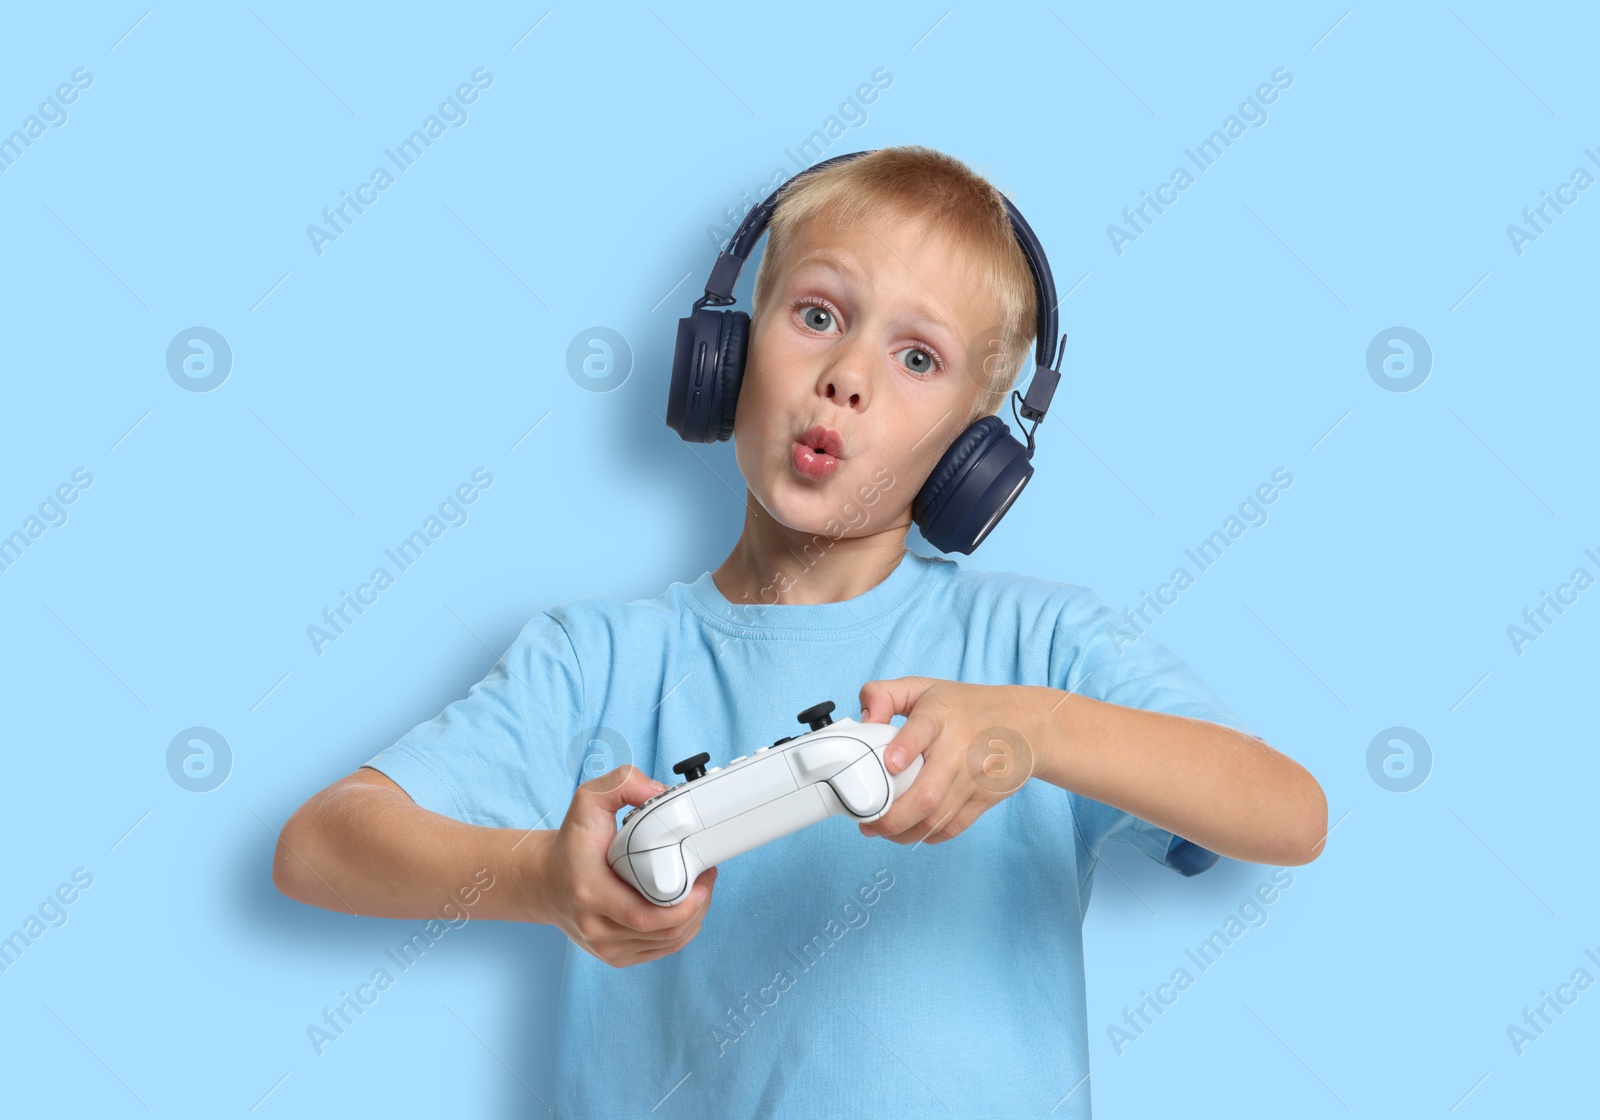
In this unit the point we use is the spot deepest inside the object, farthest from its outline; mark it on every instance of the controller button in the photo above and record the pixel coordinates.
(780, 742)
(741, 758)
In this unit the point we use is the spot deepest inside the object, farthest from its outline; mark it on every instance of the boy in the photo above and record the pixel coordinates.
(837, 975)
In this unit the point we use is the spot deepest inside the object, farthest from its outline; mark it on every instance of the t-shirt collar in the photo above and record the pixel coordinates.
(823, 621)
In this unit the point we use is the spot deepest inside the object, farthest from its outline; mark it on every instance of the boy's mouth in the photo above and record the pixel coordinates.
(817, 452)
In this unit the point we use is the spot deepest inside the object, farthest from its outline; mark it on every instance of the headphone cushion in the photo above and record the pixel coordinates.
(952, 466)
(730, 370)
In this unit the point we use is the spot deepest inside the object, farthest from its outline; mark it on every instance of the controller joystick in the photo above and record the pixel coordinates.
(835, 769)
(692, 767)
(817, 715)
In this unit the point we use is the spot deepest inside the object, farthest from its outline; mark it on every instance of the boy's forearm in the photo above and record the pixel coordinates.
(1220, 788)
(362, 849)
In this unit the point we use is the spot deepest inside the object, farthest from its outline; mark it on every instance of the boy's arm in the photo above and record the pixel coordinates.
(1212, 785)
(363, 846)
(1219, 788)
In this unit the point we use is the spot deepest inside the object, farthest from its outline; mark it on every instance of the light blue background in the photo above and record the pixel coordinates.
(369, 381)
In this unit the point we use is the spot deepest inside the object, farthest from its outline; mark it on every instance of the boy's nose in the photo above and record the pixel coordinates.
(847, 379)
(848, 399)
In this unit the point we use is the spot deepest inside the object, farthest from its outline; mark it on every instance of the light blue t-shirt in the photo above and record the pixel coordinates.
(834, 974)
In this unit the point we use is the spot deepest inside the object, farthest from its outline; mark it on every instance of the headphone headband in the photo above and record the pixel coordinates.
(1047, 356)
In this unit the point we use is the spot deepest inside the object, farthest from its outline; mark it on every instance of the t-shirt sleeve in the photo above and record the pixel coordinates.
(499, 756)
(1097, 653)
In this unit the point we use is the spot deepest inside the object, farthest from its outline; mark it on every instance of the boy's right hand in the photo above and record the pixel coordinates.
(601, 913)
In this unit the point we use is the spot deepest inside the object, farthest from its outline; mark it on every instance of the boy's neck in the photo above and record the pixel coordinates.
(773, 564)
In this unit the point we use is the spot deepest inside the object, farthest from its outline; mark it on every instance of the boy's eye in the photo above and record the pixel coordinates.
(816, 316)
(922, 362)
(820, 318)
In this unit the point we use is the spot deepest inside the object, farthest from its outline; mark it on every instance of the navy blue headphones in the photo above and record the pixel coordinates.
(980, 474)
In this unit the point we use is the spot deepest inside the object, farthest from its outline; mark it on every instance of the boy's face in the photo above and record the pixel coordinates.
(882, 344)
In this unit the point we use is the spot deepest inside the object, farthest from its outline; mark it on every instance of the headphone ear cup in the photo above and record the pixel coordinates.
(971, 487)
(699, 404)
(730, 370)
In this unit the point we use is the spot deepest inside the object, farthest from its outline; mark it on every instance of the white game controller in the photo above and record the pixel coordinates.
(835, 769)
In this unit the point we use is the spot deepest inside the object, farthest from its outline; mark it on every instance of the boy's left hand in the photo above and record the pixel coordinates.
(974, 754)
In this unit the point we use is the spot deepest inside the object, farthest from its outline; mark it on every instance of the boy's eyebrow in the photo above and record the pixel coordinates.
(846, 267)
(832, 260)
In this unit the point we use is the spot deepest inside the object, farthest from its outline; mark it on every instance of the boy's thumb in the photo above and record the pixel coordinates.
(626, 785)
(883, 699)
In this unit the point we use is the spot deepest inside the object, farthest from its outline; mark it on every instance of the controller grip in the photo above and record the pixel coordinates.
(902, 781)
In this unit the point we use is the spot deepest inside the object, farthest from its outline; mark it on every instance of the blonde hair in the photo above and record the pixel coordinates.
(916, 182)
